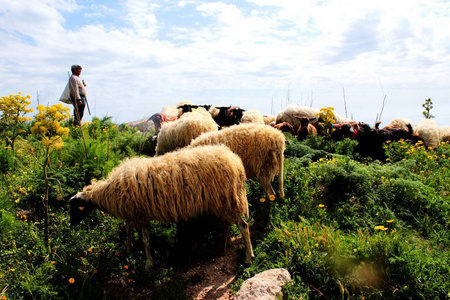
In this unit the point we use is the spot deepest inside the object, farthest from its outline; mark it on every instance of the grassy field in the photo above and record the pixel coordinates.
(347, 228)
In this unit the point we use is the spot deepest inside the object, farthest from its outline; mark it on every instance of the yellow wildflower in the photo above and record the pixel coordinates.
(262, 200)
(272, 197)
(71, 280)
(321, 205)
(380, 227)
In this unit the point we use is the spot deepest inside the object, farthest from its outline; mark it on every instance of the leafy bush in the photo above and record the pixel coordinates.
(347, 228)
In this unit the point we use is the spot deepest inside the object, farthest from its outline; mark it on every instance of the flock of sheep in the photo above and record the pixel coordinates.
(203, 157)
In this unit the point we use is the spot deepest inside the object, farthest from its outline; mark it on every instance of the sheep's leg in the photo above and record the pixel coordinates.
(243, 227)
(146, 241)
(129, 227)
(224, 237)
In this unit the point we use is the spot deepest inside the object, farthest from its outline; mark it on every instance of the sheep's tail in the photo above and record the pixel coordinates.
(280, 176)
(410, 129)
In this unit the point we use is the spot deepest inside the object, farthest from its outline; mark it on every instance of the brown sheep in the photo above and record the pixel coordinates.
(260, 147)
(170, 188)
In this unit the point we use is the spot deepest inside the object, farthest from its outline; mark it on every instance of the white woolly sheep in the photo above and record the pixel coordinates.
(289, 113)
(444, 133)
(402, 123)
(260, 147)
(252, 116)
(428, 130)
(268, 119)
(182, 104)
(170, 188)
(170, 110)
(180, 133)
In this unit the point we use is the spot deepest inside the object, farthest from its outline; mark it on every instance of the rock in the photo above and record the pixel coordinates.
(264, 286)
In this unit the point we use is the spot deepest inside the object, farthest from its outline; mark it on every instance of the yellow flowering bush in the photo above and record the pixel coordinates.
(13, 110)
(326, 120)
(48, 127)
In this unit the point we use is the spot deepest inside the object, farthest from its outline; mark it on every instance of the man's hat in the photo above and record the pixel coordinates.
(75, 67)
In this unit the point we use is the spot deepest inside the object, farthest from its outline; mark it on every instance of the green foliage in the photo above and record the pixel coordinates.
(346, 228)
(428, 105)
(6, 159)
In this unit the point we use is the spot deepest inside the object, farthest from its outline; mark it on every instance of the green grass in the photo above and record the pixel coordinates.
(347, 228)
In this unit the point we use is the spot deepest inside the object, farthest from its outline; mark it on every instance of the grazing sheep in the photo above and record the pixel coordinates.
(171, 188)
(226, 115)
(291, 111)
(219, 114)
(260, 147)
(268, 119)
(184, 106)
(444, 133)
(252, 116)
(234, 116)
(429, 130)
(170, 110)
(180, 133)
(397, 123)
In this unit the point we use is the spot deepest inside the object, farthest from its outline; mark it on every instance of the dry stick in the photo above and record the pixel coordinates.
(77, 116)
(384, 102)
(345, 103)
(45, 200)
(382, 107)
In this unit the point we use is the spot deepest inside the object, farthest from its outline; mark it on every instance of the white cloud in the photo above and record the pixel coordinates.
(139, 56)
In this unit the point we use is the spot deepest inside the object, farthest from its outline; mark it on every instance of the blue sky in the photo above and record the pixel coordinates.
(139, 56)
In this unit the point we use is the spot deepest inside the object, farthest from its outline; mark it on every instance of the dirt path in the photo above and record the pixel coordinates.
(210, 280)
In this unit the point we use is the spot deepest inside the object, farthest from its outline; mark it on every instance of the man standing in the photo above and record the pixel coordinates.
(77, 94)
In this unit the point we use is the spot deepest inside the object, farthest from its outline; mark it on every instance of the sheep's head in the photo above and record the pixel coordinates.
(80, 208)
(234, 115)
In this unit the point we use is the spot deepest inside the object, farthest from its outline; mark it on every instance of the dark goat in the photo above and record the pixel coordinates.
(305, 128)
(284, 127)
(371, 141)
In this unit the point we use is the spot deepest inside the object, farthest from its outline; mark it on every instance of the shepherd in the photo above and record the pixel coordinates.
(77, 94)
